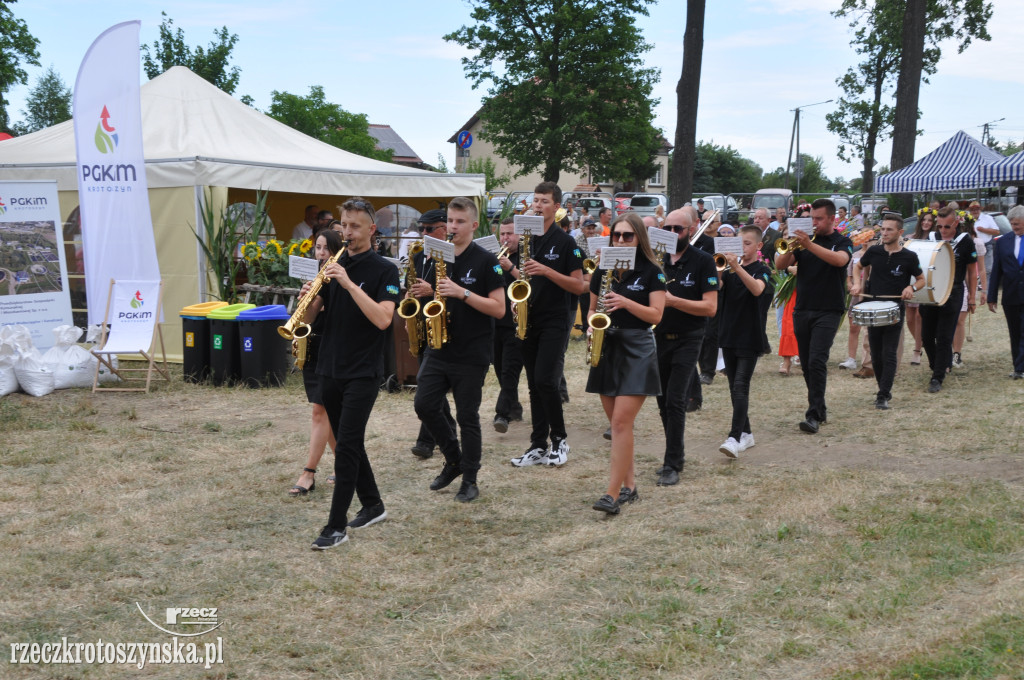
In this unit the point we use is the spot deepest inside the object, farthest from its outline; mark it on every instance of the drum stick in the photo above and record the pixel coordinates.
(881, 297)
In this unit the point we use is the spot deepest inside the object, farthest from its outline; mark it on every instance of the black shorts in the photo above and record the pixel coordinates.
(310, 380)
(629, 365)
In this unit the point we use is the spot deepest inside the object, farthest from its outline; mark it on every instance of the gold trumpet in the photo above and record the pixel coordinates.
(589, 265)
(789, 245)
(502, 253)
(721, 264)
(409, 307)
(296, 327)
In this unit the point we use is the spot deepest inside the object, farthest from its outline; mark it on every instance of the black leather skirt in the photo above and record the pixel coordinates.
(629, 365)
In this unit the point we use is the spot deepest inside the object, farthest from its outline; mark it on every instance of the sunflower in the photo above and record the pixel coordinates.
(305, 246)
(292, 248)
(251, 251)
(275, 244)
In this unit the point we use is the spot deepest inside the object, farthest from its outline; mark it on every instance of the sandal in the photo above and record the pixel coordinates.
(301, 490)
(784, 367)
(915, 359)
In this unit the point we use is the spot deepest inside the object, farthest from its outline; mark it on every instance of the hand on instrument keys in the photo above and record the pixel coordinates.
(449, 288)
(506, 264)
(336, 272)
(421, 289)
(802, 238)
(614, 301)
(731, 261)
(534, 268)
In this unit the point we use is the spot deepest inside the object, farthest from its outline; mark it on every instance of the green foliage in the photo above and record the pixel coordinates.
(223, 235)
(17, 46)
(723, 170)
(313, 115)
(568, 88)
(49, 103)
(1011, 147)
(442, 164)
(210, 63)
(486, 167)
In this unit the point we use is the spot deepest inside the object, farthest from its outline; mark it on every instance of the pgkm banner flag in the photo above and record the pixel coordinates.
(117, 229)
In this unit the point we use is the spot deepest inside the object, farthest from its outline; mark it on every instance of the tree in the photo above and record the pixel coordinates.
(687, 94)
(17, 45)
(49, 103)
(486, 167)
(568, 89)
(721, 169)
(315, 116)
(210, 63)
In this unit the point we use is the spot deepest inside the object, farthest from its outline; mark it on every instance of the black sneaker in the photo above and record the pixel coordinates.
(422, 451)
(627, 495)
(368, 516)
(449, 473)
(810, 426)
(668, 476)
(467, 492)
(934, 386)
(500, 424)
(608, 434)
(882, 404)
(707, 378)
(607, 504)
(329, 538)
(515, 414)
(693, 405)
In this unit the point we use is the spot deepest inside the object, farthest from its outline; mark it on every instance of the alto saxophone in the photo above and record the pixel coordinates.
(599, 322)
(436, 311)
(409, 308)
(519, 290)
(295, 328)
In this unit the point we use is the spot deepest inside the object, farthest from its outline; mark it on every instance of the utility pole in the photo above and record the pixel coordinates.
(796, 135)
(986, 131)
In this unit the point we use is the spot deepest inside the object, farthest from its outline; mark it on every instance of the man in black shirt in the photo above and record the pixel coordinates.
(508, 348)
(555, 268)
(358, 298)
(820, 302)
(707, 361)
(474, 296)
(939, 323)
(691, 298)
(894, 272)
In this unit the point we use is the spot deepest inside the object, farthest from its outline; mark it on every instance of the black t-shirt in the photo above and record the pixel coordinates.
(506, 280)
(741, 316)
(705, 243)
(964, 253)
(352, 347)
(890, 272)
(549, 302)
(470, 332)
(689, 278)
(821, 287)
(635, 284)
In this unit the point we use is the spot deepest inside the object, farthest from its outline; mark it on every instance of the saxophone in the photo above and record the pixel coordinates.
(295, 328)
(519, 290)
(599, 322)
(436, 311)
(409, 308)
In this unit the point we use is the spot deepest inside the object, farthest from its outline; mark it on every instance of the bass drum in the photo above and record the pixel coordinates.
(937, 263)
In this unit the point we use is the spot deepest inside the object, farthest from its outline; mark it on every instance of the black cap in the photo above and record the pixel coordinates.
(432, 216)
(589, 223)
(701, 201)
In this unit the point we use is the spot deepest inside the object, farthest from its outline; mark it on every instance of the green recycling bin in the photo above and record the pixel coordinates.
(225, 361)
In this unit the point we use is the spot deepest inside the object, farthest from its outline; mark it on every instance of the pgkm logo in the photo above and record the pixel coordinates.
(3, 208)
(106, 134)
(137, 301)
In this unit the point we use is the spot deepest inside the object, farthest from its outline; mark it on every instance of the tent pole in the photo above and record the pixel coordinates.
(200, 258)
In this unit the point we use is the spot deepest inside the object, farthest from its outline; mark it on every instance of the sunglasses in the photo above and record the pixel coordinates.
(947, 226)
(677, 228)
(624, 236)
(359, 204)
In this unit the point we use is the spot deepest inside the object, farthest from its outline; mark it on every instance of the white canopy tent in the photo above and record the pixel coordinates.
(1009, 169)
(195, 136)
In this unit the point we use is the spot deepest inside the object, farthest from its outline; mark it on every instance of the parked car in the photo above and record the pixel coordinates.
(593, 200)
(725, 204)
(522, 200)
(621, 205)
(494, 204)
(772, 199)
(647, 204)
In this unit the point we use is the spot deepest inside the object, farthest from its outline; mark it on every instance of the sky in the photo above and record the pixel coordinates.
(388, 59)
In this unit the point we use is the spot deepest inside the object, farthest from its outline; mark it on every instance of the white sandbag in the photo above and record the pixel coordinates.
(34, 376)
(72, 365)
(8, 355)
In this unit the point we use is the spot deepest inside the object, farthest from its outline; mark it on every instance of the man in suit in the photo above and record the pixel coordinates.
(1008, 269)
(762, 220)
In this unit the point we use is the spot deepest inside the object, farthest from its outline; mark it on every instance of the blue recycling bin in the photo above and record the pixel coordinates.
(265, 355)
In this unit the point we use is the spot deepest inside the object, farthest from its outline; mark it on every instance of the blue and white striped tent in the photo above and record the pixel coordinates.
(1009, 169)
(957, 164)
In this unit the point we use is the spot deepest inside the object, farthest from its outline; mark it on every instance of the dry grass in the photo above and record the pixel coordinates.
(863, 552)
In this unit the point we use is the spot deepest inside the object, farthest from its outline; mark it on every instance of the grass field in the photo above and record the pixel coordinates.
(888, 546)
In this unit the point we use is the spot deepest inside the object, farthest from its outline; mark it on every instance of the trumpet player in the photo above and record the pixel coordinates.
(473, 297)
(358, 300)
(691, 299)
(508, 348)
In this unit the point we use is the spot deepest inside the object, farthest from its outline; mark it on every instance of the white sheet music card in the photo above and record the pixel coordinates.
(435, 246)
(803, 224)
(596, 243)
(534, 224)
(302, 268)
(729, 244)
(662, 240)
(617, 257)
(488, 243)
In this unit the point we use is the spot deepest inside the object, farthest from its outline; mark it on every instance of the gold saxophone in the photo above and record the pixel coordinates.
(297, 329)
(519, 290)
(436, 311)
(409, 307)
(599, 322)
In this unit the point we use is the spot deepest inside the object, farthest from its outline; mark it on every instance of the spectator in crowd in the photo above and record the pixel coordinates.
(987, 229)
(304, 229)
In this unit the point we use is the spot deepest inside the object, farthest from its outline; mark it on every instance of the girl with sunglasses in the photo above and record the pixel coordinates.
(628, 371)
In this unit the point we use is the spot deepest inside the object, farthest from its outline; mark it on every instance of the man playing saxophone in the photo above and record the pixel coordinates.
(359, 300)
(474, 295)
(508, 348)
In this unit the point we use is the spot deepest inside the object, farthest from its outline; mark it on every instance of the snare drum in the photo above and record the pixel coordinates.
(875, 313)
(938, 265)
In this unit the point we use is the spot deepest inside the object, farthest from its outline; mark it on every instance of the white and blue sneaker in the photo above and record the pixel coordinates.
(533, 456)
(558, 455)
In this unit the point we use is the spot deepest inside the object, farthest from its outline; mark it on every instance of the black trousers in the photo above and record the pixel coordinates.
(885, 342)
(584, 310)
(937, 327)
(348, 404)
(508, 365)
(1015, 324)
(465, 381)
(815, 331)
(677, 361)
(544, 359)
(709, 349)
(739, 370)
(423, 436)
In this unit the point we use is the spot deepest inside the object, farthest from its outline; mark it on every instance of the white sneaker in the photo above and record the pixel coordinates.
(746, 441)
(558, 456)
(534, 456)
(731, 448)
(796, 361)
(850, 363)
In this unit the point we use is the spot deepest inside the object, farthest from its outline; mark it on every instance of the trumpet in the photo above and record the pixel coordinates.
(296, 328)
(589, 265)
(519, 291)
(788, 245)
(409, 307)
(502, 253)
(721, 264)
